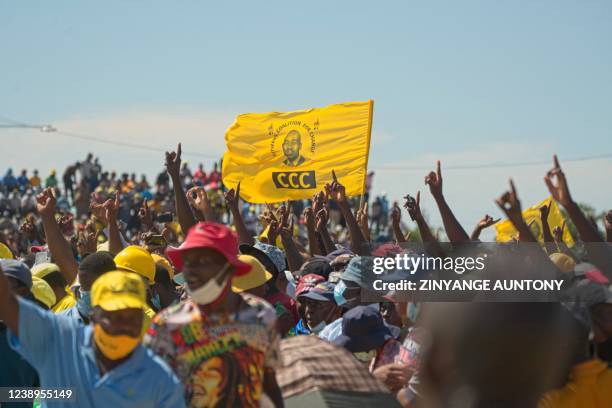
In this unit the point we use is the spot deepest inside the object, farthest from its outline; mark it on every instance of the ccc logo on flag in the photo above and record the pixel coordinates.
(294, 179)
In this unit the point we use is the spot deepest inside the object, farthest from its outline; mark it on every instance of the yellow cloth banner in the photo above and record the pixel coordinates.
(279, 156)
(506, 231)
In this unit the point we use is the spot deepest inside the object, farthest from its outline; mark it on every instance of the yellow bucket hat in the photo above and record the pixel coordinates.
(5, 252)
(43, 269)
(257, 276)
(43, 292)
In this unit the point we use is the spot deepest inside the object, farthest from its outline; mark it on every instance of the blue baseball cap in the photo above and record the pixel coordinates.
(18, 270)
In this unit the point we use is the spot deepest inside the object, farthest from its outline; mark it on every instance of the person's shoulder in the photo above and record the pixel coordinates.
(258, 309)
(155, 365)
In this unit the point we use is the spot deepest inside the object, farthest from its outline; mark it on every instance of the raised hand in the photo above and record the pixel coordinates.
(46, 202)
(510, 204)
(232, 198)
(413, 207)
(286, 229)
(309, 217)
(273, 230)
(321, 219)
(558, 233)
(560, 190)
(434, 181)
(173, 162)
(111, 206)
(608, 220)
(66, 224)
(336, 190)
(198, 199)
(396, 214)
(86, 240)
(144, 213)
(487, 221)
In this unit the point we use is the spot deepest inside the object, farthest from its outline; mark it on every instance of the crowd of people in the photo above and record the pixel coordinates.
(178, 293)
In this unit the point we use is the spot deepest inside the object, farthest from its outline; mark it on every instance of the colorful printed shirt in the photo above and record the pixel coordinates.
(219, 358)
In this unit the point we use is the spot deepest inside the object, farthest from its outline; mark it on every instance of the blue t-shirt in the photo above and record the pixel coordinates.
(15, 372)
(61, 350)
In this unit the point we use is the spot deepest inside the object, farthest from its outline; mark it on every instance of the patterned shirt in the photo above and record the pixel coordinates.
(219, 358)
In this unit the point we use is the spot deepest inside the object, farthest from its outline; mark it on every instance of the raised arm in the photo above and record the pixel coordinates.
(321, 224)
(337, 192)
(362, 219)
(549, 241)
(294, 258)
(198, 199)
(413, 206)
(232, 199)
(511, 206)
(396, 223)
(455, 232)
(608, 225)
(311, 231)
(9, 307)
(183, 210)
(115, 244)
(485, 222)
(60, 249)
(594, 244)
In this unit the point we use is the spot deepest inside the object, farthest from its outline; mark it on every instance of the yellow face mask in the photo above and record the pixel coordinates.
(114, 347)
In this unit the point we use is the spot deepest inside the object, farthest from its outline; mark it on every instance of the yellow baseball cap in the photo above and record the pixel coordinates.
(138, 260)
(257, 276)
(43, 292)
(119, 290)
(43, 269)
(5, 252)
(160, 260)
(563, 262)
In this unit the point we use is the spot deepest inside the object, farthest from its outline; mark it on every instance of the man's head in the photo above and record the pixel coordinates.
(118, 299)
(19, 277)
(292, 145)
(253, 282)
(318, 305)
(208, 259)
(50, 272)
(93, 266)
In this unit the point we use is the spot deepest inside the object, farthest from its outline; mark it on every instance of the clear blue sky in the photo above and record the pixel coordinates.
(470, 82)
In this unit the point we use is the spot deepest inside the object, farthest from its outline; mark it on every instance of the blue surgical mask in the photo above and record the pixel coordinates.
(339, 290)
(290, 290)
(83, 303)
(179, 279)
(155, 301)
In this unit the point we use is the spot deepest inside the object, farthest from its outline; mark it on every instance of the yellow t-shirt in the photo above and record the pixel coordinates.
(589, 386)
(64, 303)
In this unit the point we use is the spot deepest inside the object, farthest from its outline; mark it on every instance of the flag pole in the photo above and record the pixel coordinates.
(365, 174)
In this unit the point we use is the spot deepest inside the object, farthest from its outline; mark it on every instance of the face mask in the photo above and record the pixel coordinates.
(339, 290)
(155, 301)
(319, 327)
(210, 291)
(83, 303)
(114, 347)
(413, 311)
(365, 356)
(290, 290)
(179, 279)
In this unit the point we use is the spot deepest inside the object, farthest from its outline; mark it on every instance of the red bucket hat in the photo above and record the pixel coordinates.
(209, 235)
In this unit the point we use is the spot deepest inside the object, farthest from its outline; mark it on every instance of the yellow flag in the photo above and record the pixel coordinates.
(506, 231)
(280, 156)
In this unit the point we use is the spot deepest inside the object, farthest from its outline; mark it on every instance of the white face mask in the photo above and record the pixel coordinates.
(210, 291)
(319, 327)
